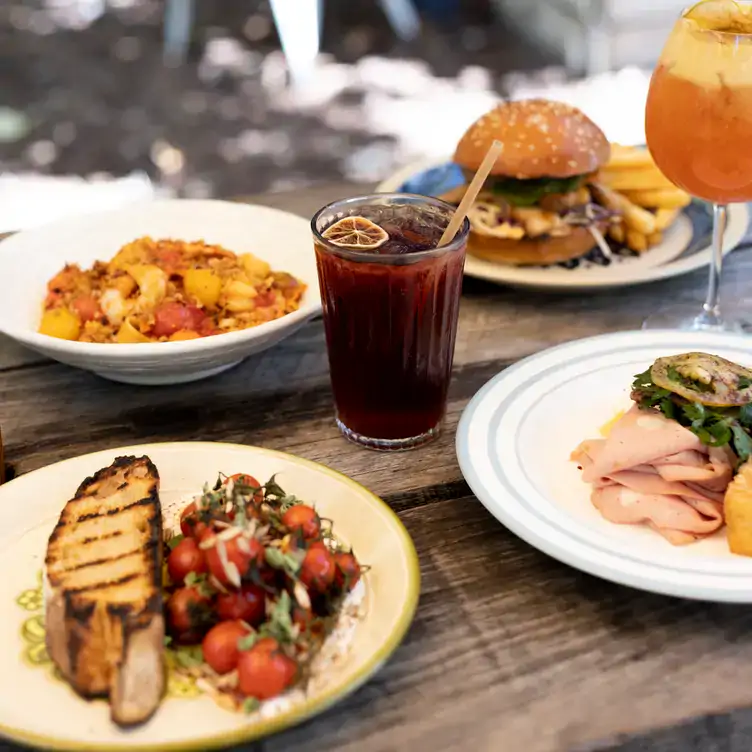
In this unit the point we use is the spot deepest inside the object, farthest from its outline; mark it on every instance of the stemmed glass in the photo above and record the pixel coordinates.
(698, 124)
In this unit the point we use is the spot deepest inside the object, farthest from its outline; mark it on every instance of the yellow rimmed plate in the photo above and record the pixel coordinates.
(43, 711)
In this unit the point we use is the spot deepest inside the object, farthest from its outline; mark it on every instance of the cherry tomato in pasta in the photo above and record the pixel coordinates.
(86, 307)
(265, 299)
(173, 316)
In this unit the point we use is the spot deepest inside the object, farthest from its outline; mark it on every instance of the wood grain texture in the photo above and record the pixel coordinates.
(510, 650)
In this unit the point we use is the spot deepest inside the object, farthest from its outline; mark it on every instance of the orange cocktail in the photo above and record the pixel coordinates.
(698, 125)
(699, 110)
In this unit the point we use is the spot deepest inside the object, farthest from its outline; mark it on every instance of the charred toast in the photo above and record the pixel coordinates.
(103, 590)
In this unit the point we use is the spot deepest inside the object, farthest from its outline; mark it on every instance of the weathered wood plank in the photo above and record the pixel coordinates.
(75, 412)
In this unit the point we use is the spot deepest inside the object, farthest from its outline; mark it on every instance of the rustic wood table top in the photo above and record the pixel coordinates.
(510, 650)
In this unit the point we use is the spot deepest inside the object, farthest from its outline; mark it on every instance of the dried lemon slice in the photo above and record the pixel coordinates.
(356, 232)
(721, 15)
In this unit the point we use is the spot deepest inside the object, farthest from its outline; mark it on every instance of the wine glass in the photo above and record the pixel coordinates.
(698, 123)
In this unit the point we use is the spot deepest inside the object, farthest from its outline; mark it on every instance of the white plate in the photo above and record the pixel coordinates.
(685, 246)
(513, 445)
(29, 260)
(38, 709)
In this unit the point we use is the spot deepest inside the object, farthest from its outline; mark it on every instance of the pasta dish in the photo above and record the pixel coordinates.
(166, 290)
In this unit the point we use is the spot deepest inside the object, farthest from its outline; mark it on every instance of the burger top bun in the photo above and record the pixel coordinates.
(542, 139)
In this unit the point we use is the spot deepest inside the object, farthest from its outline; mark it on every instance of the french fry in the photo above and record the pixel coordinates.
(648, 178)
(635, 218)
(628, 157)
(655, 239)
(616, 233)
(662, 198)
(637, 241)
(664, 218)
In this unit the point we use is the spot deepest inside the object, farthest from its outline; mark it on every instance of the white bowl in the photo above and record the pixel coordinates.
(29, 259)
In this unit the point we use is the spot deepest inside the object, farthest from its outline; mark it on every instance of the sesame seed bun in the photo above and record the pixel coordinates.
(542, 139)
(532, 251)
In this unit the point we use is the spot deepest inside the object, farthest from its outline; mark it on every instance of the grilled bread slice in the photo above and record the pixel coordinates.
(103, 590)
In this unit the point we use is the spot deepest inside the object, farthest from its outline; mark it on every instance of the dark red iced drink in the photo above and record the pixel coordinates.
(390, 314)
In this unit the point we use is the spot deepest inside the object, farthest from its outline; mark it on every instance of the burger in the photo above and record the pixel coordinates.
(536, 207)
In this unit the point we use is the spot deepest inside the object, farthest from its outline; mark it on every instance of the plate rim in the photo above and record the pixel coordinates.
(309, 309)
(737, 225)
(306, 709)
(562, 553)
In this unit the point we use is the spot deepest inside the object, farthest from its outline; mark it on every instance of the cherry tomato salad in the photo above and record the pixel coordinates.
(255, 582)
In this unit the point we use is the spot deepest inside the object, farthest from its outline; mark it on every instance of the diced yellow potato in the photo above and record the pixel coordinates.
(184, 334)
(60, 323)
(151, 281)
(129, 335)
(203, 285)
(254, 267)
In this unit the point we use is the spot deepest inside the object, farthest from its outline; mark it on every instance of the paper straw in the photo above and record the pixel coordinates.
(471, 193)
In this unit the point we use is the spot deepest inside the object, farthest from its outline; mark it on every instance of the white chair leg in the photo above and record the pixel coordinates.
(298, 26)
(177, 30)
(403, 18)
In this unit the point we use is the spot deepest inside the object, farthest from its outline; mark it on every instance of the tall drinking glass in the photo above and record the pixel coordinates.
(390, 302)
(699, 131)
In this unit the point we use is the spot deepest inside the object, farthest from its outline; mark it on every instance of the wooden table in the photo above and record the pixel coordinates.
(510, 650)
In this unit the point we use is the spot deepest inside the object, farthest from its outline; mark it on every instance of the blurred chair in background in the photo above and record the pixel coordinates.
(298, 22)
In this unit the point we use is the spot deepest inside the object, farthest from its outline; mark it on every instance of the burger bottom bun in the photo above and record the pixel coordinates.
(532, 251)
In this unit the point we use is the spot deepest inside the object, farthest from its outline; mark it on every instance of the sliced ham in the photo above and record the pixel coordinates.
(651, 470)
